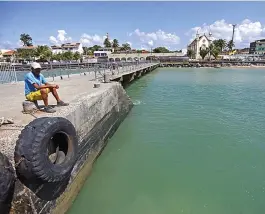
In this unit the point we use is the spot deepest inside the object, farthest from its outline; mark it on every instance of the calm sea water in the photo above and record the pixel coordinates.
(193, 144)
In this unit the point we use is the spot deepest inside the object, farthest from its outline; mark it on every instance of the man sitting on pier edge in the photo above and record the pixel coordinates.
(37, 88)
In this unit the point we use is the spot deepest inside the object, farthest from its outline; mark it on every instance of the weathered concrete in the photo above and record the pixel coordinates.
(95, 113)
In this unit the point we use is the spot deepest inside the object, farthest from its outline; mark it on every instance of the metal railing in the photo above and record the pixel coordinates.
(118, 68)
(9, 73)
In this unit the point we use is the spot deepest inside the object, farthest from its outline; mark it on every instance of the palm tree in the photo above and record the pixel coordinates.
(115, 44)
(230, 45)
(26, 39)
(76, 56)
(107, 43)
(126, 47)
(43, 52)
(214, 50)
(221, 43)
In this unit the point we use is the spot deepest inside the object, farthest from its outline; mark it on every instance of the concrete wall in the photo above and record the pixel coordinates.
(96, 117)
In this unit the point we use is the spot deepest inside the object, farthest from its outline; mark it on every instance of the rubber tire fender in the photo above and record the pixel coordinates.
(32, 146)
(7, 183)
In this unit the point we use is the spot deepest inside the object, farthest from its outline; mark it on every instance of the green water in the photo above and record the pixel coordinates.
(193, 143)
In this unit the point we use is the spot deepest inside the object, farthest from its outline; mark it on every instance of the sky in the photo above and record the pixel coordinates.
(144, 25)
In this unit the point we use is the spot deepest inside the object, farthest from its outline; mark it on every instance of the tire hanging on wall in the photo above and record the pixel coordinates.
(46, 149)
(7, 184)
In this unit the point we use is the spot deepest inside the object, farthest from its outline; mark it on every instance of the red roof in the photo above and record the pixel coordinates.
(8, 53)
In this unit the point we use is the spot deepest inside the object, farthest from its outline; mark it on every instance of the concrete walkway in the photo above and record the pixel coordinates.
(12, 96)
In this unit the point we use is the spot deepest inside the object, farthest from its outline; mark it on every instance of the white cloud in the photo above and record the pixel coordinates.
(90, 40)
(155, 39)
(245, 32)
(60, 39)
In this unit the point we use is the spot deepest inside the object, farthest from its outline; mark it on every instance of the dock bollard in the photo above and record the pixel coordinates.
(106, 78)
(96, 85)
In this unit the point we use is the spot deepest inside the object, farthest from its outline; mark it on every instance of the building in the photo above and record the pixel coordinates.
(72, 47)
(257, 47)
(199, 43)
(103, 52)
(7, 55)
(56, 49)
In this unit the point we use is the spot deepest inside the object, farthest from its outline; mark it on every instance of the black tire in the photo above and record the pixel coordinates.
(7, 184)
(34, 146)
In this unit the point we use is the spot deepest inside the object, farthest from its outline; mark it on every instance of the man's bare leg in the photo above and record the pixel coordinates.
(44, 96)
(56, 96)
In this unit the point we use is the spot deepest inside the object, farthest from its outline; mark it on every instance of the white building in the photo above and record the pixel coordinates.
(72, 47)
(56, 49)
(103, 52)
(199, 43)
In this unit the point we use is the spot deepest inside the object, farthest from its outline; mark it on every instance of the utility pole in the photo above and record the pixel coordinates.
(234, 25)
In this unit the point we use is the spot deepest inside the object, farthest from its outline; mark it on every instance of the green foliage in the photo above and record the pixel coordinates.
(57, 57)
(125, 47)
(161, 50)
(230, 45)
(214, 50)
(76, 56)
(220, 43)
(26, 39)
(115, 43)
(204, 52)
(107, 43)
(90, 50)
(26, 53)
(86, 50)
(67, 55)
(43, 52)
(190, 53)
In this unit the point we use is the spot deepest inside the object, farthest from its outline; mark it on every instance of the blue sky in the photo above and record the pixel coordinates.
(143, 24)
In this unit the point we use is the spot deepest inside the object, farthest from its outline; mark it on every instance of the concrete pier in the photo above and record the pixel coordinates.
(129, 75)
(95, 112)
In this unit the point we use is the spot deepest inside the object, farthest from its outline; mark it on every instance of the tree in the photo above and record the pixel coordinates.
(190, 53)
(26, 53)
(43, 52)
(161, 50)
(204, 52)
(125, 47)
(230, 45)
(96, 47)
(107, 43)
(57, 57)
(115, 44)
(67, 55)
(214, 50)
(86, 50)
(26, 39)
(76, 56)
(221, 43)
